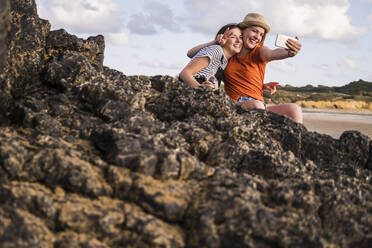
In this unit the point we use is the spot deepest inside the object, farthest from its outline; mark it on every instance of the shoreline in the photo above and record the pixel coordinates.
(337, 111)
(335, 122)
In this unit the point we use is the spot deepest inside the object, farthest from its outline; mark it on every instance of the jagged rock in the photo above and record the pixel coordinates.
(59, 41)
(26, 55)
(90, 157)
(4, 28)
(106, 221)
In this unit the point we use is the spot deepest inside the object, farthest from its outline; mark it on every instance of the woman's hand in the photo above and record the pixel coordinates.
(207, 84)
(271, 87)
(293, 47)
(222, 38)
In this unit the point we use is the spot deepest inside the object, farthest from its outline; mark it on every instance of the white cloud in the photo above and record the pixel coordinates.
(119, 39)
(155, 16)
(140, 24)
(369, 78)
(81, 16)
(157, 64)
(209, 15)
(317, 18)
(322, 67)
(369, 19)
(324, 19)
(283, 65)
(158, 47)
(348, 62)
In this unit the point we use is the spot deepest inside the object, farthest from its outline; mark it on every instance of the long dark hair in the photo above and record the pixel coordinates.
(219, 73)
(223, 28)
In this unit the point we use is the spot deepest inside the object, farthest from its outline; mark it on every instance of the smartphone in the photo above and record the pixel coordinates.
(281, 39)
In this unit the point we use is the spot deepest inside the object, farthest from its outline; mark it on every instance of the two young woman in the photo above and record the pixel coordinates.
(245, 72)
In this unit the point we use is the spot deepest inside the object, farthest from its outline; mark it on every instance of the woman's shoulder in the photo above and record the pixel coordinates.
(257, 50)
(213, 48)
(213, 52)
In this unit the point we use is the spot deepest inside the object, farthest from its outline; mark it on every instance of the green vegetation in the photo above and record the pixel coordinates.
(360, 91)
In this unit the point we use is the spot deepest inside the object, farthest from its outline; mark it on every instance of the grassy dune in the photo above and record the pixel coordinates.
(355, 96)
(342, 105)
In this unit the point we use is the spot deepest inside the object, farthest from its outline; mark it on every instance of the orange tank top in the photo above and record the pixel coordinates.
(244, 76)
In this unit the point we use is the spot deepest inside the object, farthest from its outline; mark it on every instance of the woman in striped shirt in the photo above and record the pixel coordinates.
(203, 67)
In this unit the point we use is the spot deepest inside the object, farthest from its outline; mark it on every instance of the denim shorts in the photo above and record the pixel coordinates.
(245, 98)
(248, 98)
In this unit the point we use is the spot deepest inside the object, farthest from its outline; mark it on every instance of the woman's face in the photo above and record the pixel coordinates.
(234, 41)
(252, 36)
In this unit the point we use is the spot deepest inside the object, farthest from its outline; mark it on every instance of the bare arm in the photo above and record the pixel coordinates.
(268, 54)
(220, 39)
(193, 67)
(193, 51)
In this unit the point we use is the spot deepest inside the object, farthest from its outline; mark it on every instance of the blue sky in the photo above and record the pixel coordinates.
(145, 37)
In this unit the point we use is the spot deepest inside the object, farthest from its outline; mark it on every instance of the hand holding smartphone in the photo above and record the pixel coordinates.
(281, 39)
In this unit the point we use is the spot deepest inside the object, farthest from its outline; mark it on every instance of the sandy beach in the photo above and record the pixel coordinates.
(335, 122)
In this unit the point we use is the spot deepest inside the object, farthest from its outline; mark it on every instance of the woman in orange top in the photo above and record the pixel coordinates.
(245, 72)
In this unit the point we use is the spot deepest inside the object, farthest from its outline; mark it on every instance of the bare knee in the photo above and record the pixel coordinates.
(290, 110)
(295, 112)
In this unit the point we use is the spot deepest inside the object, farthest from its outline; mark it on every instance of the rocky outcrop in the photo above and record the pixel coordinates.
(90, 157)
(4, 29)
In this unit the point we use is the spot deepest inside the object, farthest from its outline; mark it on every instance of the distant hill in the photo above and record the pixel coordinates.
(353, 88)
(358, 92)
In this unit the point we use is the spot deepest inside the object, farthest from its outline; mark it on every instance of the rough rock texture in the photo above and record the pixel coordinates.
(92, 158)
(4, 29)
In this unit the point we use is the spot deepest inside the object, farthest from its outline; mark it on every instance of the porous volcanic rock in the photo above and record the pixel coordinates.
(4, 29)
(90, 157)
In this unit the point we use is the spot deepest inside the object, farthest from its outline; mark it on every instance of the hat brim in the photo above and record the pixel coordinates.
(248, 24)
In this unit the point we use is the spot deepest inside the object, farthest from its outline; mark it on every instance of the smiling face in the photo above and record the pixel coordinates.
(234, 41)
(252, 36)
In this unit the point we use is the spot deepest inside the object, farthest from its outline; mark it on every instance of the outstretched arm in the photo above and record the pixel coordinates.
(193, 67)
(268, 54)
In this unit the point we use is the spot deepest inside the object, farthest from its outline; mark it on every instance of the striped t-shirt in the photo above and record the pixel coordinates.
(216, 59)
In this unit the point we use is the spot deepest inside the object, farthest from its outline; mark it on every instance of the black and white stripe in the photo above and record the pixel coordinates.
(216, 59)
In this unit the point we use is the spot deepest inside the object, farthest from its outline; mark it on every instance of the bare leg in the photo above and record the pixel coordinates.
(290, 110)
(253, 104)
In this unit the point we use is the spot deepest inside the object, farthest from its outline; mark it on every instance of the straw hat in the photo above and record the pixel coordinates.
(255, 19)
